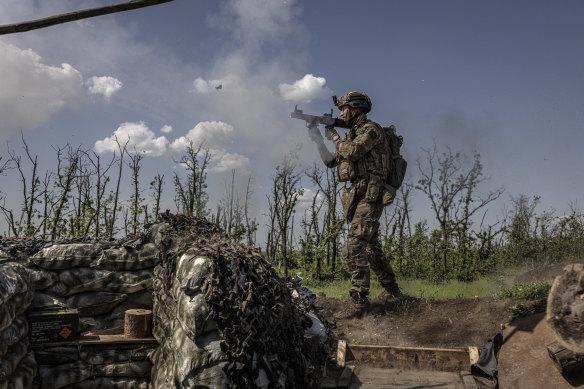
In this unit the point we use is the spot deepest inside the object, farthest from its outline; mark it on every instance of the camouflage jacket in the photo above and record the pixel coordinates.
(366, 147)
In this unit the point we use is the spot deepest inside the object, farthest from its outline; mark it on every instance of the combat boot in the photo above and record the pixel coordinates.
(360, 299)
(392, 293)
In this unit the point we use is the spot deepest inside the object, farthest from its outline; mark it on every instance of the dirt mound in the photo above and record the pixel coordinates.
(418, 322)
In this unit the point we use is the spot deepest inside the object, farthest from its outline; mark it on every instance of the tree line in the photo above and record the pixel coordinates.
(82, 196)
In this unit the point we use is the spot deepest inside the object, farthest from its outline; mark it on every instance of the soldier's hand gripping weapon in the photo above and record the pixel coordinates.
(326, 119)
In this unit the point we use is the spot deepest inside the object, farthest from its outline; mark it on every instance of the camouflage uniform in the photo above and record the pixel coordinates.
(364, 147)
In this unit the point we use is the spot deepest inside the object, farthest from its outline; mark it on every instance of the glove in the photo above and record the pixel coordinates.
(314, 134)
(332, 134)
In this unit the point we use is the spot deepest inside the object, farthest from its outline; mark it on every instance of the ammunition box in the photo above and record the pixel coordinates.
(53, 326)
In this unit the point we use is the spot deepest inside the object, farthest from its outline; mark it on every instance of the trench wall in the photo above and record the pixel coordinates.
(222, 317)
(99, 279)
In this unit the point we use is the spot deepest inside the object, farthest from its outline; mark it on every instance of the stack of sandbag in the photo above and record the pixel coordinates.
(17, 365)
(225, 318)
(126, 366)
(101, 280)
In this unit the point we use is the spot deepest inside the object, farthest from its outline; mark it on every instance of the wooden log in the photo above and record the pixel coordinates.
(566, 361)
(137, 323)
(565, 308)
(77, 15)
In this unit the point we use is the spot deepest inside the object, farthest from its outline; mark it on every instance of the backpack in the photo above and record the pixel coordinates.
(397, 165)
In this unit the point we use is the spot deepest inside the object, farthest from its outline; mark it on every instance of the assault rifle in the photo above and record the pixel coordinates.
(313, 121)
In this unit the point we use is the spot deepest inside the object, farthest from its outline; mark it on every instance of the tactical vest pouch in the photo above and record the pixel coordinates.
(373, 188)
(347, 199)
(346, 171)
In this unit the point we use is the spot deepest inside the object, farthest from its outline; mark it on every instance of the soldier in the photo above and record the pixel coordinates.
(362, 159)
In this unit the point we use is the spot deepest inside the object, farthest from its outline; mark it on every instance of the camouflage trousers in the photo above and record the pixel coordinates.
(362, 249)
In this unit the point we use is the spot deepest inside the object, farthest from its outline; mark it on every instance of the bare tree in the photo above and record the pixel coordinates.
(190, 195)
(285, 194)
(136, 207)
(250, 225)
(114, 200)
(156, 186)
(31, 191)
(451, 190)
(102, 179)
(68, 160)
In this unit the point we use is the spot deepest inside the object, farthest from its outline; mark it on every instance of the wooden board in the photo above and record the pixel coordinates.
(98, 340)
(401, 356)
(365, 377)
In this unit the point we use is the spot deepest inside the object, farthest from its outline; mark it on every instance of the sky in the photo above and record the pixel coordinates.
(503, 78)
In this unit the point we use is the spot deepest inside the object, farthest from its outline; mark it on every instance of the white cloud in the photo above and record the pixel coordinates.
(305, 200)
(166, 129)
(305, 89)
(139, 139)
(213, 135)
(225, 162)
(31, 92)
(105, 86)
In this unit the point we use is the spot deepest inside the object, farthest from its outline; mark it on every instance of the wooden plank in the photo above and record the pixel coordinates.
(98, 340)
(439, 358)
(473, 353)
(77, 15)
(366, 377)
(345, 378)
(341, 352)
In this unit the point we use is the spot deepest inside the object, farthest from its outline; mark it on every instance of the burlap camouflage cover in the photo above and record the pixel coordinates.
(224, 317)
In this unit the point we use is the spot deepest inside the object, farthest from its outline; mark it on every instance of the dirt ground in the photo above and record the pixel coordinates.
(429, 323)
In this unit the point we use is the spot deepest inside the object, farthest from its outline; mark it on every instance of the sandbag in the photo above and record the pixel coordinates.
(193, 315)
(96, 303)
(10, 361)
(7, 315)
(56, 355)
(129, 258)
(80, 280)
(53, 377)
(67, 256)
(14, 279)
(121, 353)
(190, 359)
(139, 300)
(24, 373)
(111, 383)
(42, 301)
(90, 325)
(17, 330)
(140, 369)
(14, 308)
(161, 375)
(156, 233)
(191, 271)
(21, 301)
(42, 279)
(129, 281)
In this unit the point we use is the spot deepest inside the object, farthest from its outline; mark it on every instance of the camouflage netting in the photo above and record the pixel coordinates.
(101, 279)
(225, 318)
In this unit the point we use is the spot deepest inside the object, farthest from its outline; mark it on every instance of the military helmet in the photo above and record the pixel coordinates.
(355, 100)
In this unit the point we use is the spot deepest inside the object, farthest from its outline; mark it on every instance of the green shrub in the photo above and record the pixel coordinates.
(537, 290)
